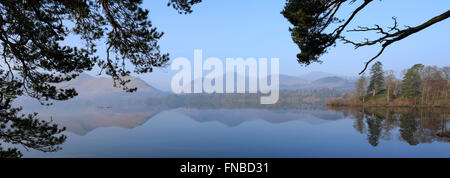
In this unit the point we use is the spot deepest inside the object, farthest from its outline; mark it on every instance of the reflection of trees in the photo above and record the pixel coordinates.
(374, 124)
(359, 121)
(390, 124)
(408, 128)
(416, 125)
(25, 130)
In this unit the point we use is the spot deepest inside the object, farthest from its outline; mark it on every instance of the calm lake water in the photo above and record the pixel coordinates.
(190, 132)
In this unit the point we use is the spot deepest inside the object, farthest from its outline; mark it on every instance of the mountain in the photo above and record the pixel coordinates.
(97, 92)
(292, 83)
(315, 75)
(301, 83)
(90, 87)
(333, 82)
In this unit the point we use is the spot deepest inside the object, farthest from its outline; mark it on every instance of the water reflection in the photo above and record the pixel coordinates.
(140, 130)
(415, 125)
(236, 117)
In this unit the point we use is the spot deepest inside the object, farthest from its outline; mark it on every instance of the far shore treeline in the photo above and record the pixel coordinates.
(421, 86)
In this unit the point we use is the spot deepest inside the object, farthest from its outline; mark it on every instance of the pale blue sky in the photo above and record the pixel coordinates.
(255, 28)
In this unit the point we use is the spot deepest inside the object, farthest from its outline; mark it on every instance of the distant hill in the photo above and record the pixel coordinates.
(89, 86)
(97, 92)
(333, 82)
(300, 83)
(315, 75)
(288, 82)
(293, 83)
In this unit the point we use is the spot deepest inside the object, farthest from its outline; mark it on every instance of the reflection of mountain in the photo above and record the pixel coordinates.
(87, 119)
(235, 117)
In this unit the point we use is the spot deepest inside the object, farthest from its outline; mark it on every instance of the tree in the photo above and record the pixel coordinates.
(446, 76)
(376, 78)
(411, 84)
(36, 54)
(391, 83)
(21, 129)
(34, 45)
(360, 86)
(316, 27)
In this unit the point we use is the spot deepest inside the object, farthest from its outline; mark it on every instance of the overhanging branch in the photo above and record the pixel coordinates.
(389, 38)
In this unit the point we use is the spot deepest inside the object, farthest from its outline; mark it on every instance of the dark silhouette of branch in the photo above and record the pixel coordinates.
(357, 10)
(393, 35)
(311, 21)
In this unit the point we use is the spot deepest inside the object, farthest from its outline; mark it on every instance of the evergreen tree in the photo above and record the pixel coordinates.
(36, 47)
(37, 53)
(376, 79)
(411, 84)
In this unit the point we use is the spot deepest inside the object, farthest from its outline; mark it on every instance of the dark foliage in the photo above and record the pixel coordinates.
(37, 51)
(36, 41)
(21, 129)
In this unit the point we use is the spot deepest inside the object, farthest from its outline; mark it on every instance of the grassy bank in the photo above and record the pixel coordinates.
(381, 100)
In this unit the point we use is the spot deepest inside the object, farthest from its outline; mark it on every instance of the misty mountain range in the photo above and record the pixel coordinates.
(313, 80)
(100, 91)
(99, 104)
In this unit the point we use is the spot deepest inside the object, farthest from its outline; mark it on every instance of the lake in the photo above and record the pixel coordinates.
(250, 132)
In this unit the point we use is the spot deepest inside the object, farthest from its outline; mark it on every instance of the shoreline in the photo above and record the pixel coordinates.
(386, 106)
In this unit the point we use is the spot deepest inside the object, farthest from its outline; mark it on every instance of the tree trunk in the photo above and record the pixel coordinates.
(423, 94)
(387, 94)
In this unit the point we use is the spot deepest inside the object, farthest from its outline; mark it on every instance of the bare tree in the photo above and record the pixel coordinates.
(390, 83)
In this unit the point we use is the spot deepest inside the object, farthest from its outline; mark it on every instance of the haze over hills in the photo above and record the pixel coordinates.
(100, 90)
(313, 80)
(298, 83)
